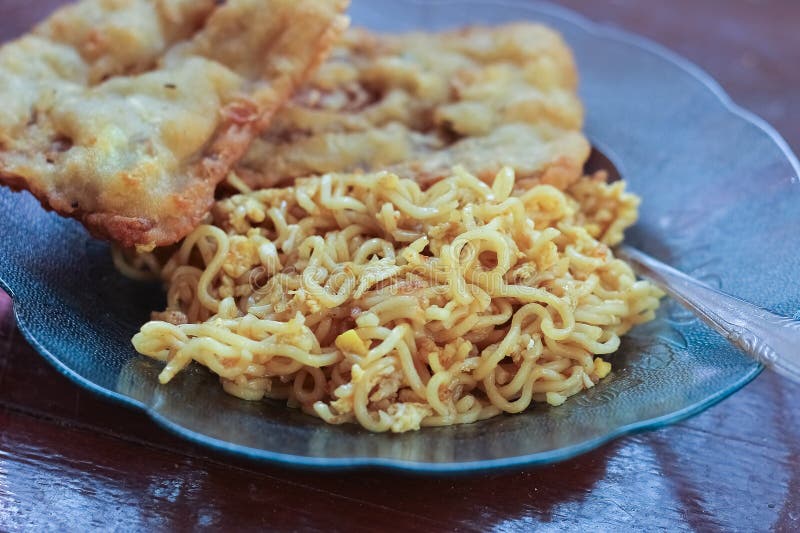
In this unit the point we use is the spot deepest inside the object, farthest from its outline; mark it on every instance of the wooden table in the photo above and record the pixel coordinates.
(70, 460)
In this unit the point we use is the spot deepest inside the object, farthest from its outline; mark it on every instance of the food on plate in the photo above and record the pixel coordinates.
(366, 298)
(421, 103)
(126, 114)
(414, 242)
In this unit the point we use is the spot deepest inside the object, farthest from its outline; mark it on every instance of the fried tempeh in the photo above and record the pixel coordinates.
(420, 103)
(126, 114)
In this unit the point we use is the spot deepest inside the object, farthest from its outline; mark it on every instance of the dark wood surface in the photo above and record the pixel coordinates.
(71, 461)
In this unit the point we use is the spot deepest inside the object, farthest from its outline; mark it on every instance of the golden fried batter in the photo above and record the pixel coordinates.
(418, 104)
(126, 114)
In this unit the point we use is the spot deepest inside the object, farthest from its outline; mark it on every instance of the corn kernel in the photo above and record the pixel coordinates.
(349, 341)
(601, 368)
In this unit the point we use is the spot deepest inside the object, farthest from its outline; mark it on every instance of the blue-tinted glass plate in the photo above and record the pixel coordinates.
(721, 202)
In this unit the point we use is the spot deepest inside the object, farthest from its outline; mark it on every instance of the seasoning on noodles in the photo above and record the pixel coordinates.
(362, 298)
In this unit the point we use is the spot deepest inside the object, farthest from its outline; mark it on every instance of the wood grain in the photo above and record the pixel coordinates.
(70, 461)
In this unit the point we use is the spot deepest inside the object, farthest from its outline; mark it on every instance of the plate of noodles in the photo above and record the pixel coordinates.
(412, 265)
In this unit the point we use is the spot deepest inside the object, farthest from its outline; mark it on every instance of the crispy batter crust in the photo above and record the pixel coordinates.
(418, 104)
(126, 114)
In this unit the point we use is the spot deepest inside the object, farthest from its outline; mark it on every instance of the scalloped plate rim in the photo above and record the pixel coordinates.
(537, 459)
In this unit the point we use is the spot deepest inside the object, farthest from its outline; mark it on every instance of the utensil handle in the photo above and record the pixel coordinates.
(771, 339)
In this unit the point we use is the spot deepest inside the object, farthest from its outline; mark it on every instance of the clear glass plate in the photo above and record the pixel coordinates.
(721, 202)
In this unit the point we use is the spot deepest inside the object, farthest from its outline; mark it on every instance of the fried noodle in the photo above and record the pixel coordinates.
(363, 298)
